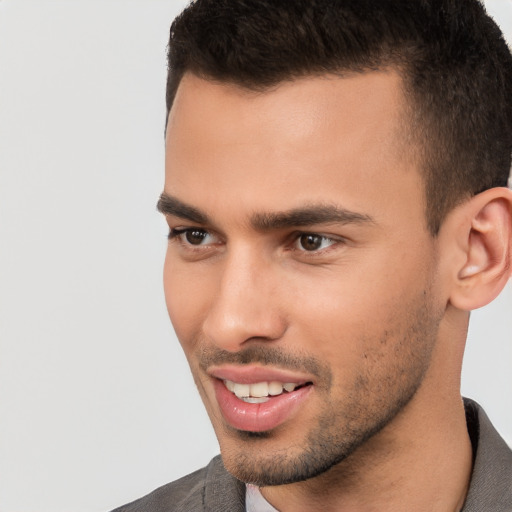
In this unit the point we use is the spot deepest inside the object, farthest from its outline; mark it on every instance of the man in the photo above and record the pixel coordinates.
(336, 195)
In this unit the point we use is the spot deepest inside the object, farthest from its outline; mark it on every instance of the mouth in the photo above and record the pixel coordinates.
(258, 399)
(261, 392)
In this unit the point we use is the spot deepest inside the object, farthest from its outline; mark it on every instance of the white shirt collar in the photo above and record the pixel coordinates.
(255, 502)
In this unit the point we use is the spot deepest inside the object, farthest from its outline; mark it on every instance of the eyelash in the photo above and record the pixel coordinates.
(322, 238)
(177, 233)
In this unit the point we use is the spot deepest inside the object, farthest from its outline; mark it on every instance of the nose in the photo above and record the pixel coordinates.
(246, 307)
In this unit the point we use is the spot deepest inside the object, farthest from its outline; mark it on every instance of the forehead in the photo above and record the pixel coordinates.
(305, 108)
(317, 139)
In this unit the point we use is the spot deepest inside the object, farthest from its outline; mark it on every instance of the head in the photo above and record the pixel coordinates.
(456, 69)
(331, 187)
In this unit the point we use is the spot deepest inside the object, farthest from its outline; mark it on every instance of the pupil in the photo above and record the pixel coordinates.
(311, 242)
(195, 237)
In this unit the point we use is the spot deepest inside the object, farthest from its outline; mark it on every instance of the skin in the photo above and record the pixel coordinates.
(383, 427)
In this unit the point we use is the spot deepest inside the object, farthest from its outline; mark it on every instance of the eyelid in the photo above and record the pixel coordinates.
(335, 239)
(177, 233)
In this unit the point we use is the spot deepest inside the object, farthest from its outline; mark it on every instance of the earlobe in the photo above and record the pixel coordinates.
(485, 247)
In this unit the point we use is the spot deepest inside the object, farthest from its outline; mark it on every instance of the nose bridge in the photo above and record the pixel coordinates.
(244, 306)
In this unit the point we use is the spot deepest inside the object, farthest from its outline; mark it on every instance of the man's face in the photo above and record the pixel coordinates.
(300, 276)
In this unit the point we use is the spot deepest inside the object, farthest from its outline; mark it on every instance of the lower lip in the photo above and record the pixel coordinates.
(258, 417)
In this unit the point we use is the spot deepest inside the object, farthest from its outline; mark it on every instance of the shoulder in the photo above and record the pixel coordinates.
(169, 496)
(491, 481)
(211, 488)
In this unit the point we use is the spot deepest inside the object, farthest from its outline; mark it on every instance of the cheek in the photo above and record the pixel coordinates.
(352, 317)
(184, 297)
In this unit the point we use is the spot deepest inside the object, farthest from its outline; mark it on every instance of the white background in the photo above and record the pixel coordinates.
(96, 403)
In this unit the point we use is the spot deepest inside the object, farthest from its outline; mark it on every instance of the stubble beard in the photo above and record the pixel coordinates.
(344, 425)
(330, 443)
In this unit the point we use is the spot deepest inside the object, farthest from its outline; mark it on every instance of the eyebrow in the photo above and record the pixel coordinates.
(303, 216)
(308, 216)
(169, 205)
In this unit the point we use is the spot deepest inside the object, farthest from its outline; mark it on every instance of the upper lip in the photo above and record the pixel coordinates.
(251, 374)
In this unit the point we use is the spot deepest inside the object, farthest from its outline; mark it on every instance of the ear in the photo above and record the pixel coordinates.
(481, 234)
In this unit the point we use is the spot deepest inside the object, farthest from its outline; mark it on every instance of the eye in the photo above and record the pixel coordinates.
(192, 236)
(195, 236)
(313, 242)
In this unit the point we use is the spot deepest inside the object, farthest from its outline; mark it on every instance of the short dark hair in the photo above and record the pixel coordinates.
(454, 61)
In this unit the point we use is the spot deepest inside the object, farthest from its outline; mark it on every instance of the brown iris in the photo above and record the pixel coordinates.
(195, 236)
(310, 242)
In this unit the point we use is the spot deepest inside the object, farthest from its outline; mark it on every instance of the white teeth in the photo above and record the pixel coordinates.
(258, 390)
(255, 400)
(242, 390)
(275, 388)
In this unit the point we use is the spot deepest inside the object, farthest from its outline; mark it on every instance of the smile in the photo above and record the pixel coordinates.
(260, 392)
(260, 405)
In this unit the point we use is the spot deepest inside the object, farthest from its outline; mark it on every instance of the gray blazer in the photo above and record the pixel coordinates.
(213, 489)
